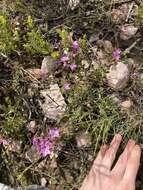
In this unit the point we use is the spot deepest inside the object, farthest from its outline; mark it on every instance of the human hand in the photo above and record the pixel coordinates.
(123, 174)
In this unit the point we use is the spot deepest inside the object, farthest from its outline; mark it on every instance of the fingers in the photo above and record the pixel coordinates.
(133, 164)
(99, 158)
(111, 152)
(101, 154)
(119, 168)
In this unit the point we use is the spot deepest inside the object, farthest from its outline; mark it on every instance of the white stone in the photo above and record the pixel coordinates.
(108, 46)
(73, 4)
(127, 104)
(118, 76)
(48, 66)
(83, 139)
(54, 105)
(5, 187)
(85, 64)
(128, 32)
(43, 182)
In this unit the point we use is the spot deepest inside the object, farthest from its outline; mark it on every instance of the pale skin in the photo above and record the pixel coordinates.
(122, 176)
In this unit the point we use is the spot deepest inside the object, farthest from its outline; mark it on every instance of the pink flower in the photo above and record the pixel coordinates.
(74, 54)
(45, 147)
(75, 45)
(54, 133)
(4, 142)
(35, 140)
(66, 86)
(64, 58)
(73, 67)
(117, 54)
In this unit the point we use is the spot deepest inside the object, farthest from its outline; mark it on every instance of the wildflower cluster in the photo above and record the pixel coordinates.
(46, 145)
(68, 60)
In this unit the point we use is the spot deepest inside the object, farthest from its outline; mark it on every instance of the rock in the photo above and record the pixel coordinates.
(5, 187)
(128, 32)
(31, 126)
(83, 140)
(85, 64)
(95, 64)
(35, 73)
(127, 104)
(118, 76)
(54, 105)
(90, 158)
(108, 46)
(32, 154)
(43, 182)
(73, 4)
(48, 67)
(117, 15)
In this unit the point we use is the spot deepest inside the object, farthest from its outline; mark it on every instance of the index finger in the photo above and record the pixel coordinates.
(133, 164)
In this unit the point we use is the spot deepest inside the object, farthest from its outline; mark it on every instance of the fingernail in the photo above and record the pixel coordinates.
(118, 136)
(131, 141)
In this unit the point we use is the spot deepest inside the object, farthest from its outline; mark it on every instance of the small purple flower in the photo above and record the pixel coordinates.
(64, 58)
(73, 67)
(74, 54)
(35, 140)
(75, 45)
(117, 54)
(66, 86)
(5, 142)
(54, 133)
(45, 147)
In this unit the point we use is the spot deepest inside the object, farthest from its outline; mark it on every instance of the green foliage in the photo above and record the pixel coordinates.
(83, 42)
(34, 42)
(140, 12)
(8, 39)
(12, 117)
(90, 109)
(66, 38)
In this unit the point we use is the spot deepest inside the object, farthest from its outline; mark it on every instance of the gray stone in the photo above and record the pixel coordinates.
(5, 187)
(128, 32)
(73, 4)
(54, 106)
(43, 182)
(127, 104)
(48, 66)
(118, 76)
(83, 139)
(108, 46)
